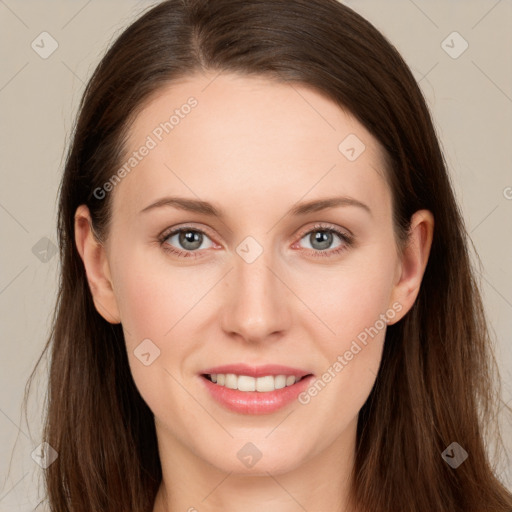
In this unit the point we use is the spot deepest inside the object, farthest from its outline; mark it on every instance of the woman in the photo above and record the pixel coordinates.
(266, 301)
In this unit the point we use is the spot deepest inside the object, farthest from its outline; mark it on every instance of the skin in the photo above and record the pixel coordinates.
(254, 148)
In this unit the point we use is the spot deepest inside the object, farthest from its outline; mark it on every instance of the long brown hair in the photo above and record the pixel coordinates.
(437, 382)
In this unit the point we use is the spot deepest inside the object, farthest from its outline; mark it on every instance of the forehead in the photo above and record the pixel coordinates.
(234, 138)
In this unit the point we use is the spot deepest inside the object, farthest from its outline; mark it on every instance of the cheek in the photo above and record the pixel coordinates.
(351, 356)
(351, 298)
(157, 303)
(152, 297)
(152, 301)
(352, 307)
(146, 311)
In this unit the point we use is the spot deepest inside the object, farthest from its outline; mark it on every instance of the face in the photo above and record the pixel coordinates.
(266, 283)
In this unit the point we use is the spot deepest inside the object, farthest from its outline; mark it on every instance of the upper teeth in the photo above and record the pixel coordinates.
(247, 383)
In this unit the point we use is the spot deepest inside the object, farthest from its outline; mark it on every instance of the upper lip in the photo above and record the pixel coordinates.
(256, 371)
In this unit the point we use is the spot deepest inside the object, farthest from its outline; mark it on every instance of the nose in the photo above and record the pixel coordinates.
(256, 300)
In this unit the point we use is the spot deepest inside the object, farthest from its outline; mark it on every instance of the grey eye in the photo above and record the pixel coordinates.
(188, 239)
(320, 239)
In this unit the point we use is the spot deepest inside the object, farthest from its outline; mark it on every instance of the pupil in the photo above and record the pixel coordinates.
(324, 239)
(190, 237)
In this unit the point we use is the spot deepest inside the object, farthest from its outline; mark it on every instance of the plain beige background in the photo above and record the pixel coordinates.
(469, 93)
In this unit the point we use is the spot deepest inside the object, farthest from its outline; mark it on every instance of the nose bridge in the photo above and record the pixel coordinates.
(256, 305)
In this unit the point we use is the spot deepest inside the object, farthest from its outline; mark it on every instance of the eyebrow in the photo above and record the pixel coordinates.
(206, 208)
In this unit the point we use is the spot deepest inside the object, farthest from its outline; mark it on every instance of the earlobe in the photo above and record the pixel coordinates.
(413, 262)
(96, 265)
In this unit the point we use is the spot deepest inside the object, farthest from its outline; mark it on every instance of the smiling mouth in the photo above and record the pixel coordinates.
(264, 384)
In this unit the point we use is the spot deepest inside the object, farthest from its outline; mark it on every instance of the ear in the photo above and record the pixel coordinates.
(96, 265)
(413, 262)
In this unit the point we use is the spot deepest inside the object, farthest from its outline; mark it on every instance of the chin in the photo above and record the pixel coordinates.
(258, 458)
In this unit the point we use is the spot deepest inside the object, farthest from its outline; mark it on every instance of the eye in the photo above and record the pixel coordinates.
(187, 241)
(321, 238)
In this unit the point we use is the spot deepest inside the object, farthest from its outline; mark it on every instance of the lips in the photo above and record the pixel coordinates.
(255, 389)
(257, 371)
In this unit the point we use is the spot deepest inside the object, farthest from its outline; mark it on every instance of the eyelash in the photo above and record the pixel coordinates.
(347, 239)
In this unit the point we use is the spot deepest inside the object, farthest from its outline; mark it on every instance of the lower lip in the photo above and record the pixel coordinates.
(256, 402)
